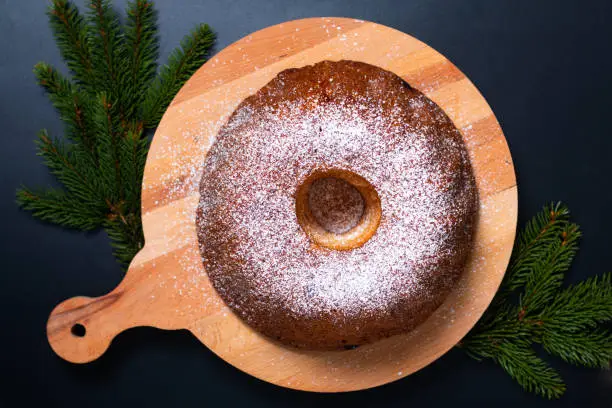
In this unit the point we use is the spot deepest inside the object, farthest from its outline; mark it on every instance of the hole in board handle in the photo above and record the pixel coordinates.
(78, 330)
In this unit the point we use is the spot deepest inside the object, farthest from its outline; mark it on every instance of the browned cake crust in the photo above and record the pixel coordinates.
(335, 118)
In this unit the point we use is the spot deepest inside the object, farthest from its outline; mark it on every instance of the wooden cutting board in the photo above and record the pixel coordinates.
(166, 285)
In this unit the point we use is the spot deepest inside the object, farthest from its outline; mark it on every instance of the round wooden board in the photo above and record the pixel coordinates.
(166, 285)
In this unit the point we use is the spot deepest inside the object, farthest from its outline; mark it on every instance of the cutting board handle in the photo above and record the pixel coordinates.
(80, 329)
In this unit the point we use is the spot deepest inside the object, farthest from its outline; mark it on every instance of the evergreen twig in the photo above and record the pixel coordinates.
(142, 48)
(532, 308)
(70, 102)
(114, 91)
(72, 38)
(61, 208)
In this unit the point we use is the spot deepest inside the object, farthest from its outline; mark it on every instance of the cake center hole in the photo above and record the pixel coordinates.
(337, 209)
(335, 204)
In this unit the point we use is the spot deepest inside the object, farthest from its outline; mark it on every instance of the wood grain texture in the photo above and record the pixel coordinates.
(166, 285)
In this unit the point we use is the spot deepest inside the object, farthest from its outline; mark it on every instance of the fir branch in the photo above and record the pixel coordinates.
(57, 86)
(108, 162)
(582, 306)
(70, 102)
(531, 372)
(546, 274)
(113, 91)
(72, 37)
(564, 321)
(132, 154)
(107, 48)
(61, 208)
(533, 243)
(75, 171)
(182, 63)
(590, 348)
(142, 45)
(125, 233)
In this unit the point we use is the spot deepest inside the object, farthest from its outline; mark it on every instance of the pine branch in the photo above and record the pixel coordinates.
(75, 171)
(60, 208)
(564, 321)
(533, 243)
(125, 233)
(142, 48)
(531, 372)
(582, 306)
(132, 153)
(107, 48)
(108, 162)
(113, 92)
(590, 348)
(546, 274)
(181, 65)
(72, 37)
(70, 102)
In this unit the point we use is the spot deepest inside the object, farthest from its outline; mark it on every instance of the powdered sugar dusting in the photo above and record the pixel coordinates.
(261, 261)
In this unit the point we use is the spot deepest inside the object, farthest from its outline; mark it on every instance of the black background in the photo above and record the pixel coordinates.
(545, 68)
